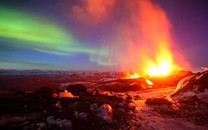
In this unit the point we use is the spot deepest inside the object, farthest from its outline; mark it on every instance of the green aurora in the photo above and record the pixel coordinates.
(41, 35)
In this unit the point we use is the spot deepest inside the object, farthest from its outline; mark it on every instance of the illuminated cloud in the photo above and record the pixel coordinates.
(92, 11)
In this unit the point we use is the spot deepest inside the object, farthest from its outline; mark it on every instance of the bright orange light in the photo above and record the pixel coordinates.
(162, 66)
(133, 76)
(158, 58)
(151, 49)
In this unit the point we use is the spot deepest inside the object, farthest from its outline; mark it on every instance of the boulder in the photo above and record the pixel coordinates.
(105, 112)
(44, 92)
(194, 83)
(76, 89)
(158, 101)
(20, 92)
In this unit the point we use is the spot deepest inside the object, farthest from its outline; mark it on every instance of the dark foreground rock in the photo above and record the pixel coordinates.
(44, 92)
(158, 101)
(76, 89)
(92, 110)
(124, 85)
(191, 97)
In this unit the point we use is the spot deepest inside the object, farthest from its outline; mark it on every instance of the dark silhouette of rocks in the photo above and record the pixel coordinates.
(158, 101)
(76, 89)
(20, 92)
(44, 92)
(123, 85)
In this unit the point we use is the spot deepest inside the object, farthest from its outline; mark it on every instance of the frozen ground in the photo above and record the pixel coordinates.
(152, 93)
(150, 118)
(154, 117)
(144, 107)
(116, 111)
(153, 120)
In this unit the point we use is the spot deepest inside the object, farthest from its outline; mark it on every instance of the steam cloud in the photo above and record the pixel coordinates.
(138, 31)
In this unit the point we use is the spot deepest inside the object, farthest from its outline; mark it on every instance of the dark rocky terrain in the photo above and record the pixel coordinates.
(102, 101)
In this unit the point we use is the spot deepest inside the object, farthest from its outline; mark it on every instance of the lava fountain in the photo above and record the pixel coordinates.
(155, 44)
(139, 38)
(162, 66)
(156, 28)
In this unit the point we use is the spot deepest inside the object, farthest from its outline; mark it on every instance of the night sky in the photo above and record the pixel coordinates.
(95, 34)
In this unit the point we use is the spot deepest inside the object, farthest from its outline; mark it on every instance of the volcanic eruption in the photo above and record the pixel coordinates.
(151, 49)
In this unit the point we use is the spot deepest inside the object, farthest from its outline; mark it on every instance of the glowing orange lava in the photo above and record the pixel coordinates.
(155, 55)
(162, 66)
(134, 76)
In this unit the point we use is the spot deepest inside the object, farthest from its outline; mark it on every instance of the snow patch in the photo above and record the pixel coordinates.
(60, 124)
(105, 112)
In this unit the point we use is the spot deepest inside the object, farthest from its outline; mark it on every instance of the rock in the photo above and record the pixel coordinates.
(55, 95)
(20, 92)
(94, 107)
(58, 105)
(44, 92)
(105, 112)
(76, 89)
(58, 123)
(81, 115)
(182, 73)
(158, 101)
(66, 94)
(192, 97)
(81, 106)
(5, 120)
(41, 125)
(194, 83)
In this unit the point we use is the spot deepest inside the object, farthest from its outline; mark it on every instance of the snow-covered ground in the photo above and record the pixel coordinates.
(130, 112)
(154, 120)
(152, 93)
(99, 108)
(153, 117)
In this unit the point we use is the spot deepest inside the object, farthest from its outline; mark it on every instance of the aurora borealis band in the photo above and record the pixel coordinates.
(93, 34)
(40, 35)
(30, 30)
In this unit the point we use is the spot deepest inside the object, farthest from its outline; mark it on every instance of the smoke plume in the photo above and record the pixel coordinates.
(139, 32)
